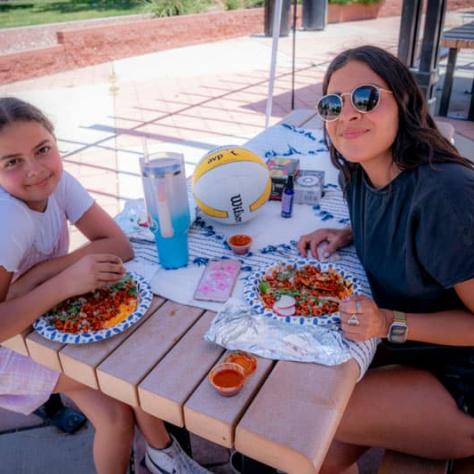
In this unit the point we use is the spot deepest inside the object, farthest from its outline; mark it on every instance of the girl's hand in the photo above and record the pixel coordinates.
(336, 238)
(362, 319)
(91, 272)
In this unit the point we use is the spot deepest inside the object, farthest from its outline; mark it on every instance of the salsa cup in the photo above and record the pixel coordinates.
(240, 243)
(247, 361)
(227, 378)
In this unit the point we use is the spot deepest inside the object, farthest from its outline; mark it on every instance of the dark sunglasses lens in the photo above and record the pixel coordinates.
(329, 107)
(365, 98)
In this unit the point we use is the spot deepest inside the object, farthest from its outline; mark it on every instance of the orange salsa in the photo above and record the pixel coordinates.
(239, 240)
(228, 378)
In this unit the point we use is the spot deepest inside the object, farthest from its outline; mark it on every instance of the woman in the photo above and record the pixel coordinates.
(411, 203)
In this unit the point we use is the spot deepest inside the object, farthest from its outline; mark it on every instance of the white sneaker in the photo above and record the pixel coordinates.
(171, 460)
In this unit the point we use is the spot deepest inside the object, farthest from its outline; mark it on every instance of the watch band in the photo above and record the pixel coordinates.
(399, 317)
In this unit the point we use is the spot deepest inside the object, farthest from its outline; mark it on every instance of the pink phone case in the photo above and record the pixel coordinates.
(218, 281)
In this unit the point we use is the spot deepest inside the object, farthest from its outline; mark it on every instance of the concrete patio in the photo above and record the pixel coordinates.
(190, 99)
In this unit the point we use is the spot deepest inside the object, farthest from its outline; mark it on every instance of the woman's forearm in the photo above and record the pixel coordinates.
(453, 327)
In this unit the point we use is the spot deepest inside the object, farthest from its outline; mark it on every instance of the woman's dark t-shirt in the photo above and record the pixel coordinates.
(415, 239)
(415, 236)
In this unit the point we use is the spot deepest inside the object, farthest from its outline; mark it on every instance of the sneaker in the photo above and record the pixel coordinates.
(171, 460)
(66, 419)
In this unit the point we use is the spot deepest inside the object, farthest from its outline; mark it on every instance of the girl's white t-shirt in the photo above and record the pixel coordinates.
(28, 237)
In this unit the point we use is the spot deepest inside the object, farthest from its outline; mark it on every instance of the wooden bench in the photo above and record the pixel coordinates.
(456, 39)
(397, 463)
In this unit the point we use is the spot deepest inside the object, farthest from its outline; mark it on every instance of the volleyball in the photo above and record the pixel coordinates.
(231, 184)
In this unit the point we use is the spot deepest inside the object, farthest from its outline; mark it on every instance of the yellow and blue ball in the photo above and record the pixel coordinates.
(231, 184)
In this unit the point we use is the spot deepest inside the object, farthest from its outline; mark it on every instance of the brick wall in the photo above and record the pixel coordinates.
(85, 46)
(103, 43)
(32, 63)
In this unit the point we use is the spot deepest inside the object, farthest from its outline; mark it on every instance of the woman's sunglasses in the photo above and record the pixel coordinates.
(364, 99)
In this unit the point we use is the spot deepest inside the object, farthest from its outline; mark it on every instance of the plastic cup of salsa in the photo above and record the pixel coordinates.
(240, 243)
(247, 361)
(227, 378)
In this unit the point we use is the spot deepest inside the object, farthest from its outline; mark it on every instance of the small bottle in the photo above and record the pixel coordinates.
(287, 198)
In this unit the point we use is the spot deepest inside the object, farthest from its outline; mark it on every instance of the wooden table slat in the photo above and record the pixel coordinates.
(457, 43)
(44, 351)
(214, 417)
(456, 39)
(293, 432)
(121, 372)
(166, 388)
(18, 343)
(79, 361)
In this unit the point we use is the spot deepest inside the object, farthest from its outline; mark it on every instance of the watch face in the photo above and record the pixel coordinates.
(397, 333)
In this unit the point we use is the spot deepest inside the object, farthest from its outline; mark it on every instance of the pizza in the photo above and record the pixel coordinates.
(100, 309)
(315, 292)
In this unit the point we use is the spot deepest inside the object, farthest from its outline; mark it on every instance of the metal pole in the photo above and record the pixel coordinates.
(425, 65)
(409, 25)
(293, 63)
(428, 69)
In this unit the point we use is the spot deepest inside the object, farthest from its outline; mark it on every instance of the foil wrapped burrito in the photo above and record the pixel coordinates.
(237, 328)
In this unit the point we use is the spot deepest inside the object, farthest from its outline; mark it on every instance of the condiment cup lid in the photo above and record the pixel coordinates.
(247, 361)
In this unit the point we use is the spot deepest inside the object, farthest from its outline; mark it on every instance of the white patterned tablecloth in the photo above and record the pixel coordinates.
(274, 237)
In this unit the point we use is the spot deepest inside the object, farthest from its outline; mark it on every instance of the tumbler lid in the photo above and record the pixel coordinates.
(160, 167)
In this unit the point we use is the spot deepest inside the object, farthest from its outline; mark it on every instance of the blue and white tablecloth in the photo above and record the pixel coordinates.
(274, 238)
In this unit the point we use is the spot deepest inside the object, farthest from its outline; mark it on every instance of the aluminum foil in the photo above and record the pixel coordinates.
(237, 328)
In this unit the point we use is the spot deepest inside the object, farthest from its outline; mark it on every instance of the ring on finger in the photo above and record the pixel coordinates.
(353, 320)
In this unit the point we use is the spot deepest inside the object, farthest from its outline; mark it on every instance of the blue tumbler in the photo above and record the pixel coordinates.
(166, 199)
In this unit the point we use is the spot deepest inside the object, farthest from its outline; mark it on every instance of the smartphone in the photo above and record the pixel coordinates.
(217, 281)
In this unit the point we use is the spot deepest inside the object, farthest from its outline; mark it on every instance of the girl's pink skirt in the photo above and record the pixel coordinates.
(24, 384)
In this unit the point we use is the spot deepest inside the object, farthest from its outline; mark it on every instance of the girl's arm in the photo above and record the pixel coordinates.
(105, 236)
(87, 274)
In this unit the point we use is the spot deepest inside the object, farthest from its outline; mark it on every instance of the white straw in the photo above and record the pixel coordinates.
(146, 155)
(276, 35)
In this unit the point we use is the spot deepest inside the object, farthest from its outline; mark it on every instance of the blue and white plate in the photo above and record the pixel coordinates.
(252, 292)
(43, 326)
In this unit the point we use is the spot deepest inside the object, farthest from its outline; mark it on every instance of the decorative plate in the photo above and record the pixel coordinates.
(252, 292)
(43, 325)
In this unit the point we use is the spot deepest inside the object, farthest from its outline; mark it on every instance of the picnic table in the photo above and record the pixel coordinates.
(285, 416)
(456, 39)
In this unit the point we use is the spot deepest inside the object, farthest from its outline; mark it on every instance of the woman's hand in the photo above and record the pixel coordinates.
(336, 238)
(91, 272)
(362, 319)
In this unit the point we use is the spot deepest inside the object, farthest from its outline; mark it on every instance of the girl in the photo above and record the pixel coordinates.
(411, 203)
(36, 199)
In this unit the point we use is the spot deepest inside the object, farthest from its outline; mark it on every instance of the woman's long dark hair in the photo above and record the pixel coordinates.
(418, 140)
(16, 110)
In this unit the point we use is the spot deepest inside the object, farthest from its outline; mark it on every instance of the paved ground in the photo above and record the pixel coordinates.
(190, 99)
